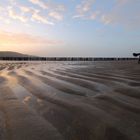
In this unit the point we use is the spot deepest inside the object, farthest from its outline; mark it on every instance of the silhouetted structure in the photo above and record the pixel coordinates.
(66, 58)
(137, 54)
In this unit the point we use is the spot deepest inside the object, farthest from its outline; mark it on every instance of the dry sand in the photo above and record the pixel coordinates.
(70, 101)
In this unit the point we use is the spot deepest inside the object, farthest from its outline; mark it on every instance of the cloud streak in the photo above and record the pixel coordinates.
(40, 3)
(83, 8)
(22, 39)
(41, 19)
(56, 15)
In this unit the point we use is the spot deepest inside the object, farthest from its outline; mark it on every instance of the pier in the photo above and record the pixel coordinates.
(66, 58)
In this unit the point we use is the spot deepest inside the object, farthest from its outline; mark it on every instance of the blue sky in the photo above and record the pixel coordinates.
(70, 27)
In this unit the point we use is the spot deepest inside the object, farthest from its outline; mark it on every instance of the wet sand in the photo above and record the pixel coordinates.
(70, 101)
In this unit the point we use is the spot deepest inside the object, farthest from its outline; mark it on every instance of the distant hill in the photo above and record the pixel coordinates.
(13, 54)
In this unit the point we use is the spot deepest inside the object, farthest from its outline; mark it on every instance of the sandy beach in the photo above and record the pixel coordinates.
(70, 100)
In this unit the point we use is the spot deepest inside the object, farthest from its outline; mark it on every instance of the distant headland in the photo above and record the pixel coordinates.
(12, 54)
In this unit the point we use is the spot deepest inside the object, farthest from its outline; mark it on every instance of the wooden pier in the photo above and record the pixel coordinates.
(66, 58)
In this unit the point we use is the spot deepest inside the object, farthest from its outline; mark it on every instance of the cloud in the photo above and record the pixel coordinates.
(28, 13)
(107, 19)
(94, 15)
(56, 15)
(83, 9)
(124, 13)
(39, 3)
(54, 10)
(41, 19)
(22, 39)
(35, 14)
(14, 15)
(25, 9)
(79, 16)
(116, 12)
(49, 5)
(85, 6)
(59, 7)
(48, 12)
(90, 16)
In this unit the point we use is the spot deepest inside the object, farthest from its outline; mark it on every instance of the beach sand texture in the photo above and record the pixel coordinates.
(70, 101)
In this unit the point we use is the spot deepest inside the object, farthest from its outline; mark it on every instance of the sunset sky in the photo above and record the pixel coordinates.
(70, 27)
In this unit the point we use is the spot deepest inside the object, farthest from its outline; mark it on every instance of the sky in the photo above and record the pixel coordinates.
(86, 28)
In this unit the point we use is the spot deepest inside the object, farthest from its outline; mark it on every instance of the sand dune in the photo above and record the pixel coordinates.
(70, 101)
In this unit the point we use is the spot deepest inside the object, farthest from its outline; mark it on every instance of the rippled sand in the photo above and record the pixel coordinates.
(70, 101)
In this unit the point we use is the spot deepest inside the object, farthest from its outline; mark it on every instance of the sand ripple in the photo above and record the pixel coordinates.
(70, 101)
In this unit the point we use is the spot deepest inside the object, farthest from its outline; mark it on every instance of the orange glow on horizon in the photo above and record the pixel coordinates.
(16, 39)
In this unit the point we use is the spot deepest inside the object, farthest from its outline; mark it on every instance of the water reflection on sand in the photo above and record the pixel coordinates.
(70, 100)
